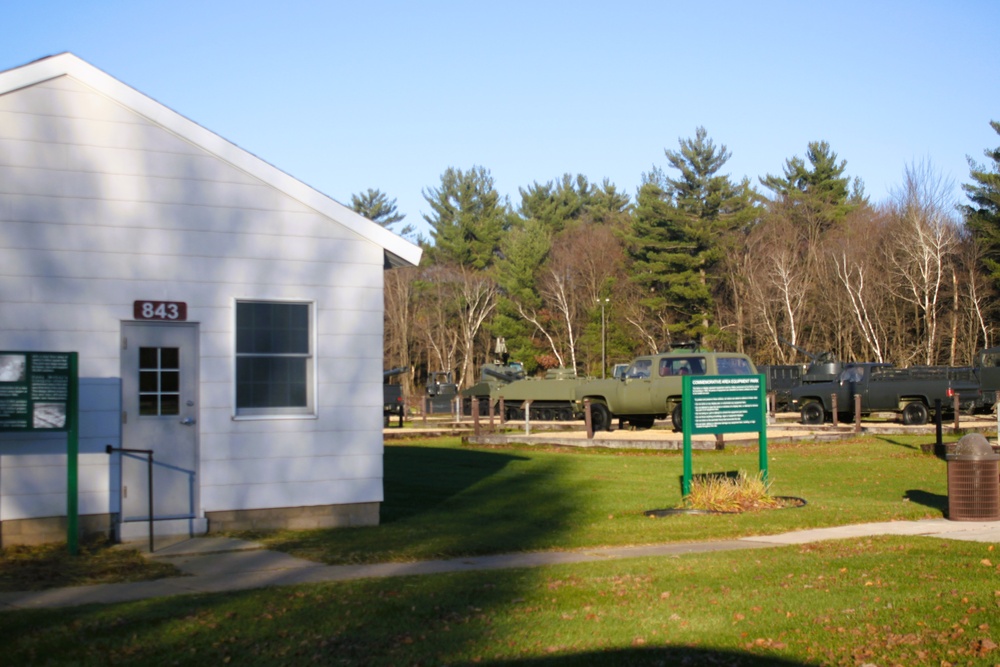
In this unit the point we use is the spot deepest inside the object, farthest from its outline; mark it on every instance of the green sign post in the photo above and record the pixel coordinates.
(39, 392)
(723, 404)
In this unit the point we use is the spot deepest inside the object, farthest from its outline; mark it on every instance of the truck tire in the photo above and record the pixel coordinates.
(813, 413)
(677, 417)
(600, 417)
(915, 414)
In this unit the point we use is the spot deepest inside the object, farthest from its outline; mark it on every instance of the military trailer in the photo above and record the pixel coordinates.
(652, 385)
(553, 398)
(908, 392)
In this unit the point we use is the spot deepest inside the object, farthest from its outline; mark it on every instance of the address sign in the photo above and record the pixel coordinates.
(170, 311)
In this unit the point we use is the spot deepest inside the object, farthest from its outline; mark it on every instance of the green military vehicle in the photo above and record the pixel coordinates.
(651, 387)
(553, 398)
(909, 392)
(491, 378)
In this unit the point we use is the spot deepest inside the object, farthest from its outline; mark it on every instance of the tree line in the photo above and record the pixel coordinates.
(580, 275)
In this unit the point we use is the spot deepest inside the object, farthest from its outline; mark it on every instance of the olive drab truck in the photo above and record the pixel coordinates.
(651, 387)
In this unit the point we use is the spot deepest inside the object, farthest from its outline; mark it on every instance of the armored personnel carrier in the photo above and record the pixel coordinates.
(552, 397)
(492, 377)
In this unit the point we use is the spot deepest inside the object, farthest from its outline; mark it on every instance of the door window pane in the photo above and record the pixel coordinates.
(159, 381)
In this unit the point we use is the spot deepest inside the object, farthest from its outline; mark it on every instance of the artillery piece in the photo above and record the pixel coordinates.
(823, 367)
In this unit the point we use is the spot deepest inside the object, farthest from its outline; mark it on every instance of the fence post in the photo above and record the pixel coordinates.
(475, 416)
(503, 412)
(955, 401)
(834, 408)
(857, 413)
(527, 417)
(587, 419)
(424, 409)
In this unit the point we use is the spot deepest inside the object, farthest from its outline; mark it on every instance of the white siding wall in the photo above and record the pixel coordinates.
(100, 207)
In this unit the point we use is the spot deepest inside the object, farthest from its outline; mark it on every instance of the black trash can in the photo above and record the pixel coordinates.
(973, 480)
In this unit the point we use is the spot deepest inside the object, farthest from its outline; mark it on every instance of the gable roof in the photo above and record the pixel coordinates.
(398, 251)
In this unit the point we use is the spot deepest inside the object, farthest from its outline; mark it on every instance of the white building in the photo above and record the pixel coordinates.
(227, 317)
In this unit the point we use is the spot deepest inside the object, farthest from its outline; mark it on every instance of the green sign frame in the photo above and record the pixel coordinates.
(715, 404)
(40, 392)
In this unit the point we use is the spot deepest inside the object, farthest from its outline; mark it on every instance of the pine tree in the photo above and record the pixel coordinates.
(820, 190)
(679, 230)
(467, 220)
(982, 216)
(377, 207)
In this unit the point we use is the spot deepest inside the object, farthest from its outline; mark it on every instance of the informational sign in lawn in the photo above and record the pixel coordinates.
(723, 404)
(39, 392)
(726, 404)
(35, 391)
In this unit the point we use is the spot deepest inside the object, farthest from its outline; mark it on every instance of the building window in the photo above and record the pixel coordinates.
(274, 361)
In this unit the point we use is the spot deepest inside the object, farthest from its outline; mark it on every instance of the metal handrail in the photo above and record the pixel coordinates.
(149, 467)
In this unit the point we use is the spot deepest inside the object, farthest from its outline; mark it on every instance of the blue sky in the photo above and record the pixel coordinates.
(347, 96)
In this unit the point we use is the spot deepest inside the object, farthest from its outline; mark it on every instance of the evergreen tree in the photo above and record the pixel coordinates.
(377, 207)
(678, 233)
(982, 216)
(555, 204)
(467, 220)
(820, 188)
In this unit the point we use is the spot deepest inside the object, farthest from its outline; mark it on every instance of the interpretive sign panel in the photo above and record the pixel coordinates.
(35, 391)
(726, 404)
(39, 391)
(723, 404)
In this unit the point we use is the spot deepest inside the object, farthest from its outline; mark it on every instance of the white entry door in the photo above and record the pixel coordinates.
(159, 366)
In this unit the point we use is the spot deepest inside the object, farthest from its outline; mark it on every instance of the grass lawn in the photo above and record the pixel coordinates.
(882, 601)
(875, 601)
(445, 500)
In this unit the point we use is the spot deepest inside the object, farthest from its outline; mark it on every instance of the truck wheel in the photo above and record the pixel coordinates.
(915, 414)
(813, 414)
(600, 417)
(677, 417)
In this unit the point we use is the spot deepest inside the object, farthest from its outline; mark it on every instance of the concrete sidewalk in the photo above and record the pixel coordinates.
(213, 564)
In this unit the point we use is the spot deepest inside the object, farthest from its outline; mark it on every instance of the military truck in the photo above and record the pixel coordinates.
(909, 392)
(652, 385)
(392, 397)
(782, 378)
(553, 398)
(987, 368)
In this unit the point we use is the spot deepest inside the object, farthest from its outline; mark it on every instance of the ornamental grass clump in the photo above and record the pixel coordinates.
(723, 493)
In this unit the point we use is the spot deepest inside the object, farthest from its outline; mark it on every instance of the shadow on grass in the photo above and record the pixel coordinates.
(927, 499)
(442, 502)
(679, 655)
(905, 444)
(418, 479)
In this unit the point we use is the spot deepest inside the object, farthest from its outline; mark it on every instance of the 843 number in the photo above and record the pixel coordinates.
(172, 311)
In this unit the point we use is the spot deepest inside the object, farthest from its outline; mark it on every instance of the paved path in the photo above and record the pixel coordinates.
(214, 564)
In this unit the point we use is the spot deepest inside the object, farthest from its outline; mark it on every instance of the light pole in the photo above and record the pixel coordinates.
(604, 364)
